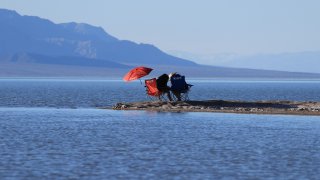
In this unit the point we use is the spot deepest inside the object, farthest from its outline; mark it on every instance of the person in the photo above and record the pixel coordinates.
(162, 85)
(178, 85)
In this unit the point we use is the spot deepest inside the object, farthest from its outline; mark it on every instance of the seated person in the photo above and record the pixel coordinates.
(178, 85)
(162, 85)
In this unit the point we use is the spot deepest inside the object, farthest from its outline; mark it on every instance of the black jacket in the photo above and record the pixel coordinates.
(162, 82)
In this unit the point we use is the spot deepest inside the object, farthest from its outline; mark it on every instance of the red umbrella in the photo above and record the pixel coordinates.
(137, 73)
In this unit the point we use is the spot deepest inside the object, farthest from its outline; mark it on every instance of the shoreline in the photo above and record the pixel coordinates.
(223, 106)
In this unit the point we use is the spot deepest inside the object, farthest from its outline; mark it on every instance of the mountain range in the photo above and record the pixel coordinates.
(32, 46)
(305, 61)
(308, 61)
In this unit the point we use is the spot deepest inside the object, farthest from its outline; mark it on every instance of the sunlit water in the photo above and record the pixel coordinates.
(51, 129)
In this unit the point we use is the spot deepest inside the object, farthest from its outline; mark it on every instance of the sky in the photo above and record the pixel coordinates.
(200, 27)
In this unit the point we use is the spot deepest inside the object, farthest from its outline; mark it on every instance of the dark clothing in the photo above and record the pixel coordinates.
(162, 85)
(162, 82)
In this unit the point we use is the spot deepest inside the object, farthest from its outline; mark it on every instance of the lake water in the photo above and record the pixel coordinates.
(51, 129)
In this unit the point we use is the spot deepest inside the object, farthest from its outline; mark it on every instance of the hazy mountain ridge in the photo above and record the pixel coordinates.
(307, 61)
(32, 46)
(296, 62)
(32, 34)
(31, 58)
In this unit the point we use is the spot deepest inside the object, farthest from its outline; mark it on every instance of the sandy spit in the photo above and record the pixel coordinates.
(247, 107)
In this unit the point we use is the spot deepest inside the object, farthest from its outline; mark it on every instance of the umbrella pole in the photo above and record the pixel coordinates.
(140, 81)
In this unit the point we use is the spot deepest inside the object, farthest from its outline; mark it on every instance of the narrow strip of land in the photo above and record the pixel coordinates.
(249, 107)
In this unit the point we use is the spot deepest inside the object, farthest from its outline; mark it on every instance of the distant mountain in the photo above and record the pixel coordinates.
(308, 61)
(32, 46)
(30, 34)
(29, 58)
(294, 62)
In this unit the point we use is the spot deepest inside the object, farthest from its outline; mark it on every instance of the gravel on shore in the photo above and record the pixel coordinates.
(248, 107)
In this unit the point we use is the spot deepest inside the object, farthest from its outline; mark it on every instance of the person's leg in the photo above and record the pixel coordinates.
(177, 94)
(167, 90)
(169, 95)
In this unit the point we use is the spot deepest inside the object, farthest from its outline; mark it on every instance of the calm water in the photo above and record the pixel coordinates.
(51, 129)
(97, 93)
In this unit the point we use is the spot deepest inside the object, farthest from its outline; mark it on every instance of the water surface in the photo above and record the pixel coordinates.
(75, 93)
(51, 129)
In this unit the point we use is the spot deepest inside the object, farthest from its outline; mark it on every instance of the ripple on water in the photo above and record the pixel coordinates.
(91, 143)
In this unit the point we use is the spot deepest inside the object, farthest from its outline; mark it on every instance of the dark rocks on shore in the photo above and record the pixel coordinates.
(253, 107)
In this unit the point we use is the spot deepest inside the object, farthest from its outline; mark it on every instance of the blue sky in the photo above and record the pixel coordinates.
(201, 27)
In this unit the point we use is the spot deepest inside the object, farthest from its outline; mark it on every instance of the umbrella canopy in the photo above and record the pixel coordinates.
(137, 73)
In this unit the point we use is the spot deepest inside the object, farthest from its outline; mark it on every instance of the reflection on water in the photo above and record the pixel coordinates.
(102, 144)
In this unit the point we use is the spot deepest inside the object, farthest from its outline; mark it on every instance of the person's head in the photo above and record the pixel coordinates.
(171, 74)
(164, 76)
